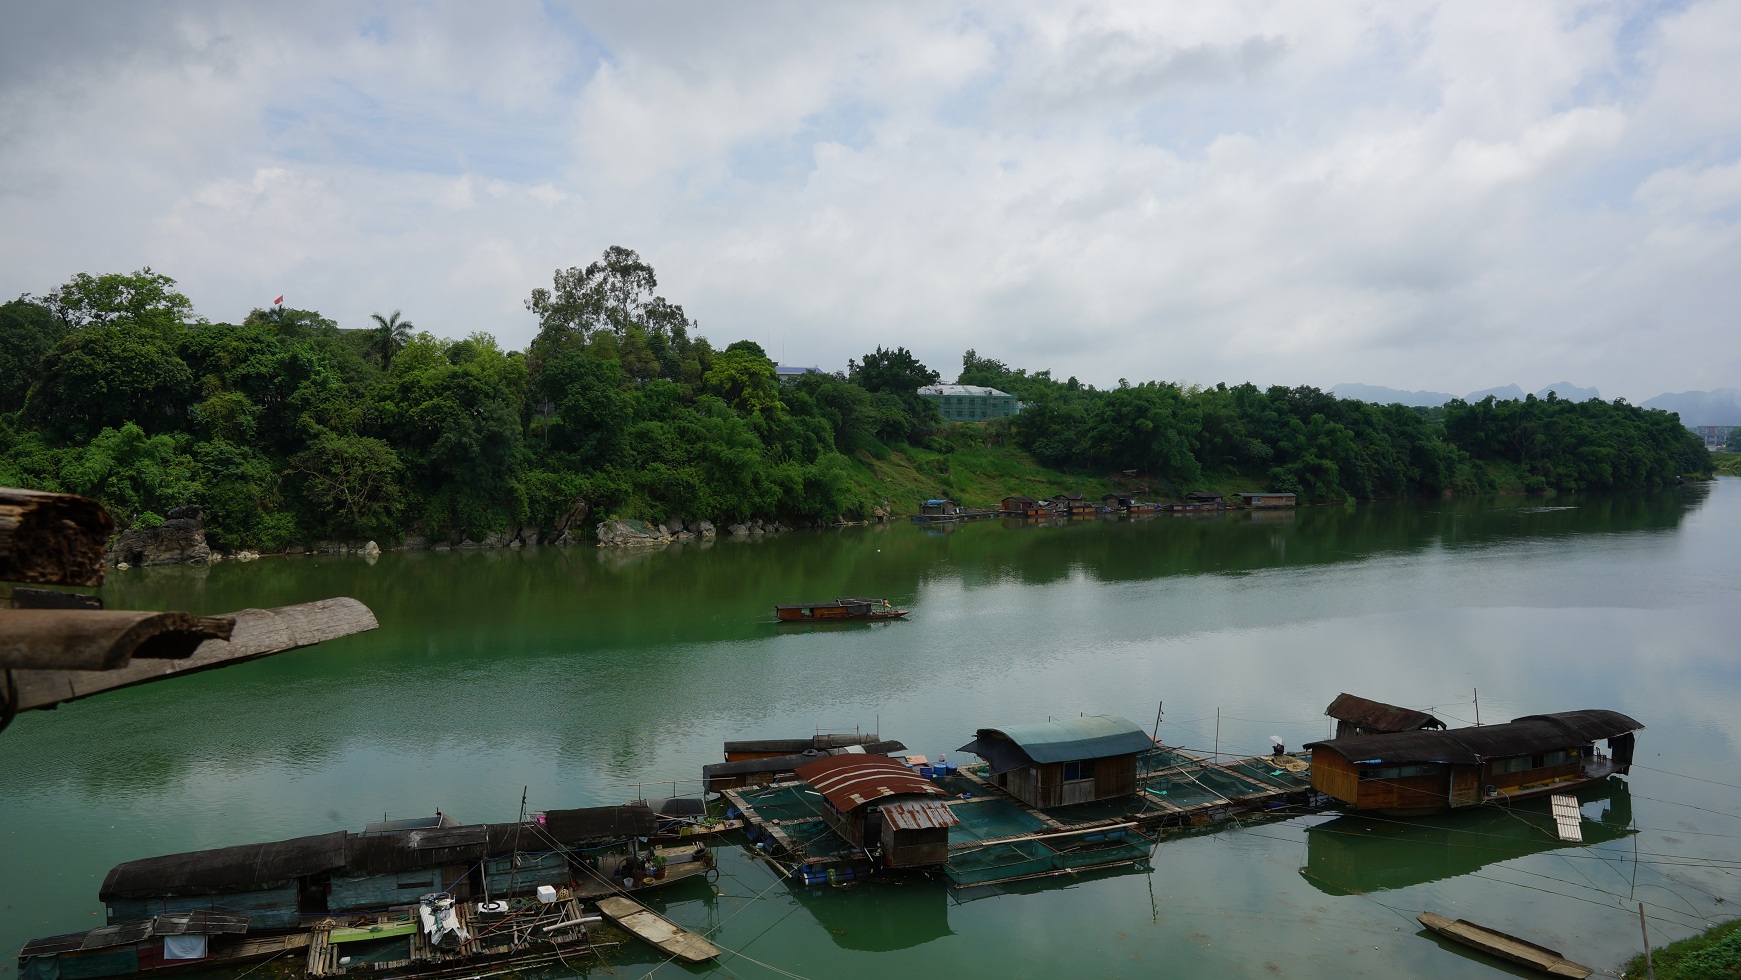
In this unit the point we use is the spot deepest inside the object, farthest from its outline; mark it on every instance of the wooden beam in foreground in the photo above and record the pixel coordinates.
(258, 633)
(52, 538)
(100, 639)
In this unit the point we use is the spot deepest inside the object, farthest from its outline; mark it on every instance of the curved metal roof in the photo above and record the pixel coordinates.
(1064, 740)
(1376, 716)
(1468, 746)
(848, 782)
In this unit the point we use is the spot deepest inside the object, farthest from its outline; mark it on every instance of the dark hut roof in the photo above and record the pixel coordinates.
(409, 850)
(1469, 746)
(225, 869)
(788, 763)
(1065, 740)
(1203, 495)
(1376, 716)
(850, 781)
(600, 822)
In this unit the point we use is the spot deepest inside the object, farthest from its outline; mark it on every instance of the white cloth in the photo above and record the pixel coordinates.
(184, 947)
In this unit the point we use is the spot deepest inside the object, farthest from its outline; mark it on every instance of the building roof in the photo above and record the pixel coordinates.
(963, 390)
(410, 850)
(225, 869)
(1376, 716)
(848, 782)
(1268, 493)
(1470, 746)
(1065, 740)
(1203, 495)
(793, 370)
(600, 822)
(919, 815)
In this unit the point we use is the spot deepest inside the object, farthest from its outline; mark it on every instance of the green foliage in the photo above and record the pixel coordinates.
(284, 428)
(1714, 954)
(148, 520)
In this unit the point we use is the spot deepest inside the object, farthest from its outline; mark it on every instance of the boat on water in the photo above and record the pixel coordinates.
(656, 930)
(1421, 771)
(1505, 946)
(838, 609)
(199, 939)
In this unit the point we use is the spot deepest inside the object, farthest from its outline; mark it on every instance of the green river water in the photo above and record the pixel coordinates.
(583, 674)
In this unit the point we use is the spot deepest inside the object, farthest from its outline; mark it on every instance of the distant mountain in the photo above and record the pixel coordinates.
(1379, 395)
(1505, 394)
(1720, 407)
(1569, 392)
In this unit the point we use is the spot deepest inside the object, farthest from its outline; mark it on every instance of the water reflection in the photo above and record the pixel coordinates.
(1357, 853)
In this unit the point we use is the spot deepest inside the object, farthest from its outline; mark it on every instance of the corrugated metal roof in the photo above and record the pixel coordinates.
(1376, 716)
(918, 815)
(225, 868)
(850, 781)
(1469, 746)
(1065, 740)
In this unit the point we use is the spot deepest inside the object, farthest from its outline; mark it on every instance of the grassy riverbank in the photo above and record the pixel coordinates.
(1714, 954)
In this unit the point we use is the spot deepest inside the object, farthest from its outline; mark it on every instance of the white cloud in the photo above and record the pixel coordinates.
(1424, 195)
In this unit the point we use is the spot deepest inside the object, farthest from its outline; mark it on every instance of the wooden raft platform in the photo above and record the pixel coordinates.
(656, 930)
(1504, 946)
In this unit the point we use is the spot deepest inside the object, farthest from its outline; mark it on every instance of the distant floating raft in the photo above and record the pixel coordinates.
(1506, 947)
(1568, 819)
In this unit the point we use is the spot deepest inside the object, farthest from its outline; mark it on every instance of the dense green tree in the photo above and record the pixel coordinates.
(391, 333)
(102, 378)
(145, 298)
(28, 330)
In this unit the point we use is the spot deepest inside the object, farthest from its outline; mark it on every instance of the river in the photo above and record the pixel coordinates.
(580, 674)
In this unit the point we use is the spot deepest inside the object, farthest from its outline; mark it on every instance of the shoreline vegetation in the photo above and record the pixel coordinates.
(1714, 954)
(286, 430)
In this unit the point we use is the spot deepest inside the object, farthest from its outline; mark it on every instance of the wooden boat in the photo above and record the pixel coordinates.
(656, 930)
(1504, 946)
(838, 609)
(199, 939)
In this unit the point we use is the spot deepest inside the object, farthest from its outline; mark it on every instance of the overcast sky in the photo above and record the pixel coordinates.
(1442, 196)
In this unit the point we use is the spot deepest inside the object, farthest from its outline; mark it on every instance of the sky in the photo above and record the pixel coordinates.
(1444, 196)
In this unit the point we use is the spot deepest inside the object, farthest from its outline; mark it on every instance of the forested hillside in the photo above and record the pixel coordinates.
(285, 428)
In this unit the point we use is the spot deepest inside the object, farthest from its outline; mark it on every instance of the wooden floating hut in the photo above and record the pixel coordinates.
(1266, 500)
(1122, 502)
(1071, 505)
(872, 799)
(1058, 763)
(1026, 508)
(176, 940)
(1422, 771)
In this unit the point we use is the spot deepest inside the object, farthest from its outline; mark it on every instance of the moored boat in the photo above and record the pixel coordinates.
(838, 609)
(1505, 946)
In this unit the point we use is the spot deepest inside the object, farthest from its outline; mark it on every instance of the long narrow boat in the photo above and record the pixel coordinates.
(1504, 946)
(658, 931)
(838, 609)
(198, 939)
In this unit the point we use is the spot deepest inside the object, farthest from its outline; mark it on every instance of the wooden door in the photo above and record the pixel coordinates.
(1465, 785)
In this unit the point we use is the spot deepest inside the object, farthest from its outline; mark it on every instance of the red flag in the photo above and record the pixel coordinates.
(278, 302)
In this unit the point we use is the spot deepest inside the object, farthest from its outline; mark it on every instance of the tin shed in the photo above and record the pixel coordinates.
(874, 799)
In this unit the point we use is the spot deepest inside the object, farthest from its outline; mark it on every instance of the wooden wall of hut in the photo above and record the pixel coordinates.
(921, 848)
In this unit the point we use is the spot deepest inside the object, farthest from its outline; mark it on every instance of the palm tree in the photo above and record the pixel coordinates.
(391, 333)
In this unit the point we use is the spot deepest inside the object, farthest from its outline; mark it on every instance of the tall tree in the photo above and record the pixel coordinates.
(391, 334)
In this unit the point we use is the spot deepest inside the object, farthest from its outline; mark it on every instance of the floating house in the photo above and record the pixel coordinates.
(1206, 499)
(746, 768)
(276, 884)
(1072, 504)
(1266, 500)
(1057, 763)
(1423, 771)
(1023, 507)
(1360, 716)
(939, 507)
(874, 800)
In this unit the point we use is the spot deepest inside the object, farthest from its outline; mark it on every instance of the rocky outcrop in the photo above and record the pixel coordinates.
(179, 540)
(630, 533)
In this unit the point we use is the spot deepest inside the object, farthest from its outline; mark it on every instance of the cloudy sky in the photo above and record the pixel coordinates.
(1443, 196)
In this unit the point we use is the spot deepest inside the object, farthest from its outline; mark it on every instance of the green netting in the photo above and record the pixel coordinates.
(991, 817)
(1229, 786)
(1270, 775)
(1178, 790)
(1023, 859)
(783, 802)
(1164, 758)
(817, 840)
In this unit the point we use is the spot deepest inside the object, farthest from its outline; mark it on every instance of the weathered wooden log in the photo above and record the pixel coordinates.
(101, 639)
(257, 633)
(23, 598)
(52, 538)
